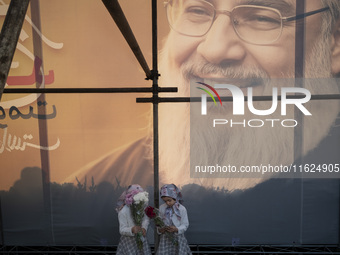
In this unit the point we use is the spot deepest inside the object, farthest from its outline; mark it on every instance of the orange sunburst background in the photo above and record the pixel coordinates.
(93, 55)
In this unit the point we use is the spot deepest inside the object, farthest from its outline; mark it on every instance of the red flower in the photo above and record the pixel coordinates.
(150, 212)
(153, 213)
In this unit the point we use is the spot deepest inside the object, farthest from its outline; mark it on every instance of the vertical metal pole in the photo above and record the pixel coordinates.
(299, 77)
(300, 42)
(43, 133)
(1, 226)
(9, 37)
(299, 82)
(154, 74)
(155, 101)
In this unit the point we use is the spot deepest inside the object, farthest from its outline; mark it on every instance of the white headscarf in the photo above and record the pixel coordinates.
(171, 190)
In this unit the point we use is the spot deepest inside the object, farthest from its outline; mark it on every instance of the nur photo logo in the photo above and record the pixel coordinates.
(239, 99)
(204, 97)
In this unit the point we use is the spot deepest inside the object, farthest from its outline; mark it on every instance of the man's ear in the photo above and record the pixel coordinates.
(335, 46)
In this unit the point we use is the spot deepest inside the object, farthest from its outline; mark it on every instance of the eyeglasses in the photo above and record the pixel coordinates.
(253, 24)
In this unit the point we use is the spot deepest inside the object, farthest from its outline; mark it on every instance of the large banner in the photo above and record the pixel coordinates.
(255, 152)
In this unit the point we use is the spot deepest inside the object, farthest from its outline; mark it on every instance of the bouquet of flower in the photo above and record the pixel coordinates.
(137, 204)
(153, 214)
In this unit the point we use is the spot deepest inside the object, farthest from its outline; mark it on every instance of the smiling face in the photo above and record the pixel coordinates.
(221, 56)
(224, 52)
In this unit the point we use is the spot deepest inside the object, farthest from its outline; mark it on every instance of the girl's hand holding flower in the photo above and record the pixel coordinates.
(162, 230)
(172, 229)
(136, 229)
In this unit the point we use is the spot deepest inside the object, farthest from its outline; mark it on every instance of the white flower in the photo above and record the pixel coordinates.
(141, 197)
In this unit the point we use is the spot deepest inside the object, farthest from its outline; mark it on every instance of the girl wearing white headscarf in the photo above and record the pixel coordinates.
(127, 228)
(175, 217)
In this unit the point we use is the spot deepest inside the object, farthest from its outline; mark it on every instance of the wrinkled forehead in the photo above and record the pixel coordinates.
(286, 7)
(281, 4)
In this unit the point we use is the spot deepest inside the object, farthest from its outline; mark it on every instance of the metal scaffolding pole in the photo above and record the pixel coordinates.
(2, 237)
(118, 16)
(88, 90)
(43, 129)
(155, 75)
(299, 82)
(9, 37)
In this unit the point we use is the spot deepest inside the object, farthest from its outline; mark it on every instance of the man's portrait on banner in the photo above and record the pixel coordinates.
(248, 44)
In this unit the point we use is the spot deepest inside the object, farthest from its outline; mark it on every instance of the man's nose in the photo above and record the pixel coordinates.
(221, 43)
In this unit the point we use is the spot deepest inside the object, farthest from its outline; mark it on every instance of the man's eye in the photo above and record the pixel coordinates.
(198, 11)
(265, 19)
(261, 22)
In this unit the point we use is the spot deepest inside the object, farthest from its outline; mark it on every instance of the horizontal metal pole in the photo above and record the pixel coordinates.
(88, 90)
(229, 99)
(195, 249)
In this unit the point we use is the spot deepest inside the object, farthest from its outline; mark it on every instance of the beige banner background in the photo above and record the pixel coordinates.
(87, 51)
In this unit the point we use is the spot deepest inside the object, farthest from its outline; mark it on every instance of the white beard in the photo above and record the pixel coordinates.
(241, 146)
